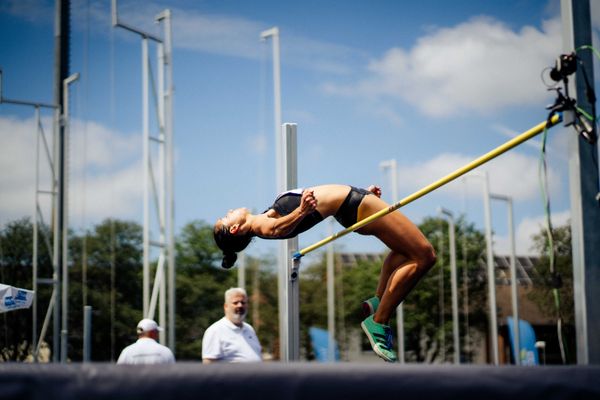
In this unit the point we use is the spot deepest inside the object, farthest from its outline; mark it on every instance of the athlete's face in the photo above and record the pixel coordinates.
(235, 217)
(236, 308)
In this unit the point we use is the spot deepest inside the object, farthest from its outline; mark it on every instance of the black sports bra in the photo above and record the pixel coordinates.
(287, 202)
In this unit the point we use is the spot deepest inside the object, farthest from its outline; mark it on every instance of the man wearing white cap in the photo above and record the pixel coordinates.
(230, 339)
(146, 350)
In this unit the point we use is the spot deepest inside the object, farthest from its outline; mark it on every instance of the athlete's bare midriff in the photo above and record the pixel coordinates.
(330, 198)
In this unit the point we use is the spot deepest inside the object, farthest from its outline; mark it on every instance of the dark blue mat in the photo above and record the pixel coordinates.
(310, 381)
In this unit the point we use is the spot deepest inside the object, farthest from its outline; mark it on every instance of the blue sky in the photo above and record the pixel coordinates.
(431, 84)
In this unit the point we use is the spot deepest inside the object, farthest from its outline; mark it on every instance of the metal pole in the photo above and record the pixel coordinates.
(61, 72)
(453, 283)
(65, 222)
(56, 213)
(330, 300)
(274, 34)
(34, 321)
(392, 165)
(280, 186)
(168, 60)
(292, 308)
(513, 276)
(87, 333)
(241, 278)
(146, 180)
(491, 277)
(583, 184)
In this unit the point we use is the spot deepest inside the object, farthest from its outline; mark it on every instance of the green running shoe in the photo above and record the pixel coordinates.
(369, 306)
(380, 337)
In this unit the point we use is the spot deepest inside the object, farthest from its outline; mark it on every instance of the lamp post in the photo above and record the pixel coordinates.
(451, 230)
(392, 165)
(282, 255)
(513, 275)
(330, 299)
(490, 265)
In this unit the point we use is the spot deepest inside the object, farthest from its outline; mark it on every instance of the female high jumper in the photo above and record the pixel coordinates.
(296, 211)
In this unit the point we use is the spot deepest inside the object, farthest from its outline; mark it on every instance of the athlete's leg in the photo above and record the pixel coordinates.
(410, 258)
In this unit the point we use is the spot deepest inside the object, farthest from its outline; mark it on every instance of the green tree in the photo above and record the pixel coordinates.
(553, 293)
(112, 256)
(428, 310)
(16, 269)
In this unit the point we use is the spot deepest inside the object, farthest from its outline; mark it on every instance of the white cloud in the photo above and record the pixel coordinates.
(480, 65)
(512, 174)
(109, 185)
(525, 231)
(236, 36)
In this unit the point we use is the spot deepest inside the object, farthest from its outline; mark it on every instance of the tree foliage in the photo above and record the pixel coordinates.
(16, 269)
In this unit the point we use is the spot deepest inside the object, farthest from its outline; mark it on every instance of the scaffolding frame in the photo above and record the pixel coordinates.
(158, 175)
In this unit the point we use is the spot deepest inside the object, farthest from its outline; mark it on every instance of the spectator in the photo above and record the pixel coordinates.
(230, 339)
(146, 350)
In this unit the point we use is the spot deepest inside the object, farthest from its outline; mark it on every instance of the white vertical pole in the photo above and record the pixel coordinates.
(242, 271)
(56, 241)
(513, 282)
(292, 311)
(393, 166)
(162, 193)
(34, 322)
(490, 271)
(280, 186)
(146, 178)
(453, 283)
(513, 276)
(162, 221)
(65, 239)
(330, 299)
(170, 167)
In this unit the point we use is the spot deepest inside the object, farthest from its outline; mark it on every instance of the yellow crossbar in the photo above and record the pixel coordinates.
(523, 137)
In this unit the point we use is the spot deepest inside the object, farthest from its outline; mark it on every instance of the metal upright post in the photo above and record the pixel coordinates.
(242, 271)
(491, 276)
(87, 333)
(583, 182)
(453, 283)
(513, 276)
(61, 72)
(280, 185)
(392, 165)
(146, 181)
(330, 299)
(291, 334)
(65, 233)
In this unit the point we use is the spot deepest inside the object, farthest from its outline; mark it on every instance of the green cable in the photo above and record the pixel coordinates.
(544, 190)
(588, 47)
(542, 171)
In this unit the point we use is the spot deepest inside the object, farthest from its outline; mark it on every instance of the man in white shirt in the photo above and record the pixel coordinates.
(230, 339)
(146, 350)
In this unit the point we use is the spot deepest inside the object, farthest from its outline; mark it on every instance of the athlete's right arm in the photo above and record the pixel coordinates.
(271, 225)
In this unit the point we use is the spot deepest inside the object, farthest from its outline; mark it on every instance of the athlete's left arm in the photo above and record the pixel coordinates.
(376, 190)
(271, 225)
